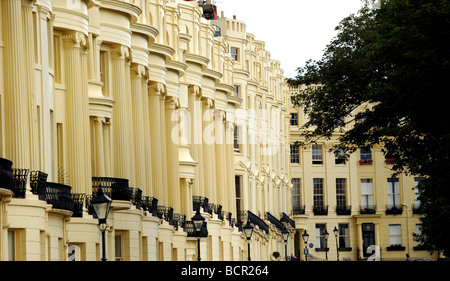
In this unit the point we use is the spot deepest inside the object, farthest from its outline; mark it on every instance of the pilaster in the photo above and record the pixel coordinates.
(76, 113)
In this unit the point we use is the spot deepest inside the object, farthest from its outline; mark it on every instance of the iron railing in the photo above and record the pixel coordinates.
(320, 210)
(20, 179)
(59, 196)
(286, 219)
(78, 201)
(38, 183)
(343, 210)
(6, 174)
(392, 209)
(115, 188)
(368, 209)
(150, 204)
(278, 224)
(136, 197)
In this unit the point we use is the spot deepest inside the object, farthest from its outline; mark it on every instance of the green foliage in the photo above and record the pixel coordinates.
(385, 74)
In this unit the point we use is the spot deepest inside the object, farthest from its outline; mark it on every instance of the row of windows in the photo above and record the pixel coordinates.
(365, 157)
(366, 191)
(395, 235)
(317, 154)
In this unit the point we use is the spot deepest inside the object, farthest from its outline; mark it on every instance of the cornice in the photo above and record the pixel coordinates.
(148, 30)
(178, 66)
(163, 50)
(131, 10)
(212, 74)
(201, 60)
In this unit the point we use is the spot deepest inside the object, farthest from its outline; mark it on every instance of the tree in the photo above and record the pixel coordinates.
(385, 73)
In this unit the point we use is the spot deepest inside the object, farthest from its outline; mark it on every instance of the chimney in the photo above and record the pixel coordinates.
(234, 17)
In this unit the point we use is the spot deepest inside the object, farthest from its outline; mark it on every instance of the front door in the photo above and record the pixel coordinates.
(368, 236)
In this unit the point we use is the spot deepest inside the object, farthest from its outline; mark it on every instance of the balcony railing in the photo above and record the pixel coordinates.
(136, 197)
(6, 174)
(254, 219)
(38, 183)
(201, 201)
(115, 188)
(368, 209)
(278, 224)
(298, 209)
(150, 204)
(78, 201)
(286, 219)
(20, 180)
(59, 196)
(343, 210)
(394, 210)
(319, 210)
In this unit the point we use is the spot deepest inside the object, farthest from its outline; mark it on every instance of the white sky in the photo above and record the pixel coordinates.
(294, 30)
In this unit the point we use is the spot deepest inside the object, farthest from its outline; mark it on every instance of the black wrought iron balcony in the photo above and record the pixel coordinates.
(201, 201)
(368, 209)
(78, 201)
(273, 220)
(6, 174)
(286, 219)
(218, 211)
(59, 195)
(298, 209)
(343, 210)
(115, 188)
(165, 213)
(254, 219)
(20, 180)
(136, 197)
(38, 183)
(320, 210)
(150, 204)
(393, 209)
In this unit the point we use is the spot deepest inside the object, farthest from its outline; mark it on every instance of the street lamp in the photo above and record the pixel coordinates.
(285, 234)
(325, 235)
(198, 220)
(336, 233)
(305, 237)
(248, 231)
(101, 204)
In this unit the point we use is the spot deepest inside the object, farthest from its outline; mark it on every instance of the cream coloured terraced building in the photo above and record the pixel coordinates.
(167, 111)
(371, 209)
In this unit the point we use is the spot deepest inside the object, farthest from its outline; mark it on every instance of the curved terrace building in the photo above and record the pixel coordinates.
(167, 107)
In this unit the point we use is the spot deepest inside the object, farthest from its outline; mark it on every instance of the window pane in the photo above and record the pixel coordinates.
(318, 191)
(317, 154)
(341, 198)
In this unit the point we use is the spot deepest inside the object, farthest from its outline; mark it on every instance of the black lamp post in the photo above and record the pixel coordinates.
(336, 232)
(198, 220)
(285, 234)
(101, 204)
(305, 237)
(325, 235)
(248, 231)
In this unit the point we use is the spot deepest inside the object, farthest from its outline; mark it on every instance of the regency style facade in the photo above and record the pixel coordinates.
(371, 209)
(167, 111)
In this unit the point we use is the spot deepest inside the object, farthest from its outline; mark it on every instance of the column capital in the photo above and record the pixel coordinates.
(120, 51)
(157, 87)
(99, 120)
(75, 39)
(138, 70)
(196, 90)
